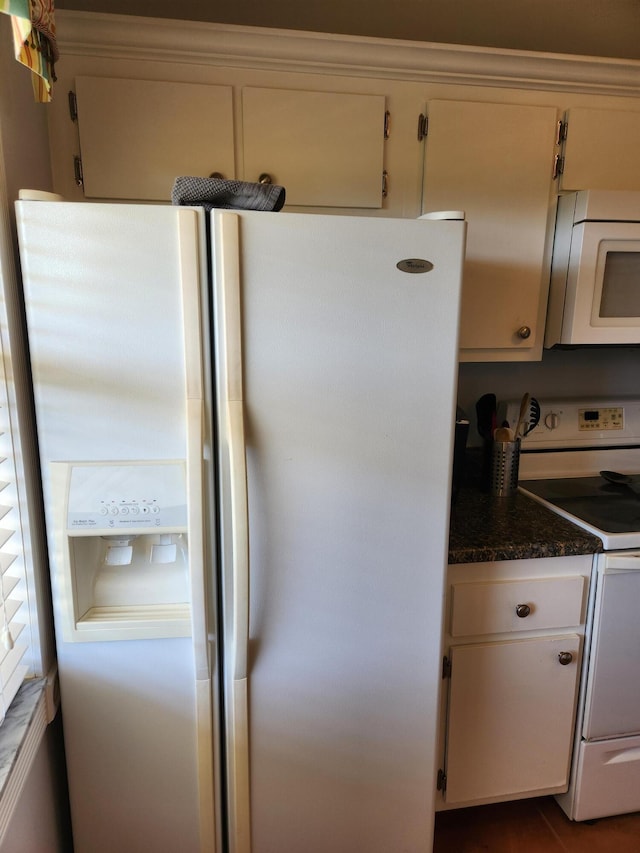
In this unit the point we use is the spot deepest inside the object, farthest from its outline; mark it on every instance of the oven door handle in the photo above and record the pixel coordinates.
(615, 563)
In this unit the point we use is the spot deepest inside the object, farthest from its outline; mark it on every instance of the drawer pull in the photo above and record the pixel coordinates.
(565, 658)
(522, 610)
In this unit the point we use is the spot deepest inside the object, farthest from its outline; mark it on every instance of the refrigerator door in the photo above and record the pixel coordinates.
(114, 300)
(338, 372)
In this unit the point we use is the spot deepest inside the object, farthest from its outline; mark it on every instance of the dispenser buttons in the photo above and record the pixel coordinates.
(126, 497)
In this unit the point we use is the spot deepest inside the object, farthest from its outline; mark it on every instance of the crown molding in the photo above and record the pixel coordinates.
(202, 43)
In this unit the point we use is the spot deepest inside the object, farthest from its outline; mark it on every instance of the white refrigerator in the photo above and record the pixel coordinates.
(245, 437)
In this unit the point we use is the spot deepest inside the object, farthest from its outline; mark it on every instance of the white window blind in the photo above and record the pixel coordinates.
(27, 646)
(13, 589)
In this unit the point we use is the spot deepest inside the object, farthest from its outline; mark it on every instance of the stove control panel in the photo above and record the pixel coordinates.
(579, 423)
(605, 418)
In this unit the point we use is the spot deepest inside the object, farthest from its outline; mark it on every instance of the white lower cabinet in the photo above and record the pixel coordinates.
(511, 709)
(513, 642)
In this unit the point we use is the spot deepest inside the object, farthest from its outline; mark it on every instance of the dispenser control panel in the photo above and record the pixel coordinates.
(120, 497)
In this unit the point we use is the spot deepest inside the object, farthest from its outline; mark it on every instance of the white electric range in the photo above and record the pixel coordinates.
(559, 467)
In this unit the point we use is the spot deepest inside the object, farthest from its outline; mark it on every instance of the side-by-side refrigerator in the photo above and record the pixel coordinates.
(245, 431)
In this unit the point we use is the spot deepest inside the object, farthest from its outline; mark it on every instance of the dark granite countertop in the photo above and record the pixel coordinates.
(485, 528)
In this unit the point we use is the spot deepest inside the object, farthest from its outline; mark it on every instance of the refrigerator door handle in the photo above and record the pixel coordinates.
(237, 722)
(195, 498)
(192, 323)
(234, 500)
(190, 282)
(226, 239)
(239, 537)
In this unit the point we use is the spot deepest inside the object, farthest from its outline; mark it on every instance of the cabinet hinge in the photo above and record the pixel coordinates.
(423, 126)
(73, 106)
(77, 170)
(441, 782)
(385, 184)
(446, 667)
(558, 166)
(561, 132)
(387, 124)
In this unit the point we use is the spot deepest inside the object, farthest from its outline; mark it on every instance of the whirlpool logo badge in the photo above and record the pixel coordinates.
(414, 265)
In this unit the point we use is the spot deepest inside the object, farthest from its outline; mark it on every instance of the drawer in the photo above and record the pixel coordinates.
(607, 779)
(492, 607)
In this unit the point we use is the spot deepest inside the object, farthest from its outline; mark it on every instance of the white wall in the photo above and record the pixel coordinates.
(588, 27)
(598, 371)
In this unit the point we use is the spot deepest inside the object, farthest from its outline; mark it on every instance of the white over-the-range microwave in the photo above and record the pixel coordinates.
(595, 270)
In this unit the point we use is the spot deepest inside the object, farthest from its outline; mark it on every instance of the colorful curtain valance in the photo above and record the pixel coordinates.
(34, 40)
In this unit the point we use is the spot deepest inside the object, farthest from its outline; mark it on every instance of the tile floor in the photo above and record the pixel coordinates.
(532, 826)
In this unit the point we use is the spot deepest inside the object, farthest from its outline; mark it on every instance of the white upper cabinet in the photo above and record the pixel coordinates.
(325, 148)
(137, 136)
(495, 162)
(601, 150)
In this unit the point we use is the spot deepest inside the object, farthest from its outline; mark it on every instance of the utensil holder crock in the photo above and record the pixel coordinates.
(505, 463)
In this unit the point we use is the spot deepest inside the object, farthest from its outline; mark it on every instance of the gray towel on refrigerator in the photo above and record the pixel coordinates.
(217, 192)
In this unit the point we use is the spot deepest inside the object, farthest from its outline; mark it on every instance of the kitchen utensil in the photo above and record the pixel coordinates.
(622, 480)
(459, 453)
(486, 412)
(503, 434)
(524, 405)
(486, 409)
(534, 416)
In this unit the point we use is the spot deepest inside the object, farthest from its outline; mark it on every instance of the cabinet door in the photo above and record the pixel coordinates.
(137, 136)
(495, 162)
(511, 718)
(601, 150)
(325, 148)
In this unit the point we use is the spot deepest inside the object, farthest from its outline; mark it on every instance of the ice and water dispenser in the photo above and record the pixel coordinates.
(122, 560)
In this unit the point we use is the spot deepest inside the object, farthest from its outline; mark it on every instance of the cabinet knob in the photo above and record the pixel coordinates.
(565, 658)
(218, 175)
(265, 178)
(522, 610)
(524, 332)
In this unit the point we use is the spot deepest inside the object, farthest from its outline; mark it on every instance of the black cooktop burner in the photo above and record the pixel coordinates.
(610, 508)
